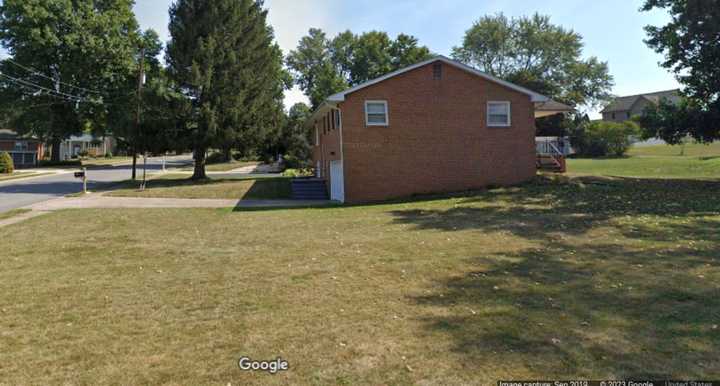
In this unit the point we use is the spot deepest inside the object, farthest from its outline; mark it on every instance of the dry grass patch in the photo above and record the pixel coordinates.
(12, 213)
(22, 174)
(588, 279)
(180, 186)
(226, 166)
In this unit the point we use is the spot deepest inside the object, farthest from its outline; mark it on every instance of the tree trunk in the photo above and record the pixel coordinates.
(134, 164)
(199, 173)
(55, 155)
(227, 154)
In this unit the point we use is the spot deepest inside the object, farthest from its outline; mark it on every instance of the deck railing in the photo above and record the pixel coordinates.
(551, 153)
(553, 145)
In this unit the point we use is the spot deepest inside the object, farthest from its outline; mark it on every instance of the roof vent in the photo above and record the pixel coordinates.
(437, 71)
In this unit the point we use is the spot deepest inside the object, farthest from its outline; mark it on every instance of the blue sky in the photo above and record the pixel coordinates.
(612, 30)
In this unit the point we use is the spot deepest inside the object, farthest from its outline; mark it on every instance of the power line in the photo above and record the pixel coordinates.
(37, 90)
(38, 73)
(50, 92)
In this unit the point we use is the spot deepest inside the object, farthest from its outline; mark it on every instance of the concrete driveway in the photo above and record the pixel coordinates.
(19, 193)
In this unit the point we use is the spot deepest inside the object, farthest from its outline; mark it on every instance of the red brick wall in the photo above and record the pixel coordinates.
(437, 139)
(329, 148)
(7, 145)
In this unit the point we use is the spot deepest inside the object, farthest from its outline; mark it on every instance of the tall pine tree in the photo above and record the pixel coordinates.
(223, 59)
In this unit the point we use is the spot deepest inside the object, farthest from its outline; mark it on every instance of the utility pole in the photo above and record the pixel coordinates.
(141, 69)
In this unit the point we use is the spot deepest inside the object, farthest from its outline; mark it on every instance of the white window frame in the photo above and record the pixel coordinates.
(317, 135)
(509, 115)
(367, 115)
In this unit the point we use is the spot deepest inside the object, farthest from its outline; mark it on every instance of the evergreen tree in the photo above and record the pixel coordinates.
(223, 59)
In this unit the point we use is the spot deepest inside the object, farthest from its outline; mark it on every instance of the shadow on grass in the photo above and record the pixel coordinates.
(640, 301)
(569, 206)
(563, 316)
(269, 189)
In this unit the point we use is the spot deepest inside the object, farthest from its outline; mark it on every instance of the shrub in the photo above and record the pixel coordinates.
(215, 158)
(83, 154)
(6, 163)
(601, 138)
(108, 155)
(298, 173)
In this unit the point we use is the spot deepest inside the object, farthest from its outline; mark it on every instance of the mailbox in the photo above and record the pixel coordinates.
(79, 174)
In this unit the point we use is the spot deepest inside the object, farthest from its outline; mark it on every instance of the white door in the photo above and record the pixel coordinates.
(337, 183)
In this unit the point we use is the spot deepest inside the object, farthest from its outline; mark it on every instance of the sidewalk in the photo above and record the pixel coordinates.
(98, 201)
(20, 218)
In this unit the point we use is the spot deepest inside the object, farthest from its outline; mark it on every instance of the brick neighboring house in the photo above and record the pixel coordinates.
(437, 126)
(25, 152)
(623, 108)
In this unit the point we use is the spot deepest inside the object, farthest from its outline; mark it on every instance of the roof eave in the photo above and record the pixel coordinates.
(534, 97)
(319, 111)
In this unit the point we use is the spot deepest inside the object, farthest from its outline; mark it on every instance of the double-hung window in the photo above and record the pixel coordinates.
(498, 114)
(376, 113)
(21, 146)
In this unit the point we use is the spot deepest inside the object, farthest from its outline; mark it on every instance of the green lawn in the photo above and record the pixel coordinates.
(226, 166)
(180, 186)
(591, 278)
(689, 150)
(699, 161)
(94, 162)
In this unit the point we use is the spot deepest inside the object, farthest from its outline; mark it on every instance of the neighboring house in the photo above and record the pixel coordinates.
(25, 152)
(437, 126)
(623, 108)
(95, 147)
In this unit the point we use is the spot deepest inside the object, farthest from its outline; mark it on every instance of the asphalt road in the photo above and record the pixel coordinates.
(18, 193)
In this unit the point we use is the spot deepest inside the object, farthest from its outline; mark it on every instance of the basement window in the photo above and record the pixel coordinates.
(498, 114)
(376, 113)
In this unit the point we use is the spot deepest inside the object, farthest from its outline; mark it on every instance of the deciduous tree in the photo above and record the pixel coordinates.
(533, 52)
(323, 66)
(67, 61)
(691, 45)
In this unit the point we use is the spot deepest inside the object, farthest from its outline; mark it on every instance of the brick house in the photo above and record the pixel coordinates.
(25, 152)
(436, 126)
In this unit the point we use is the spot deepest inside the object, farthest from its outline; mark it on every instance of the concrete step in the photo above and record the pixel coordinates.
(309, 189)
